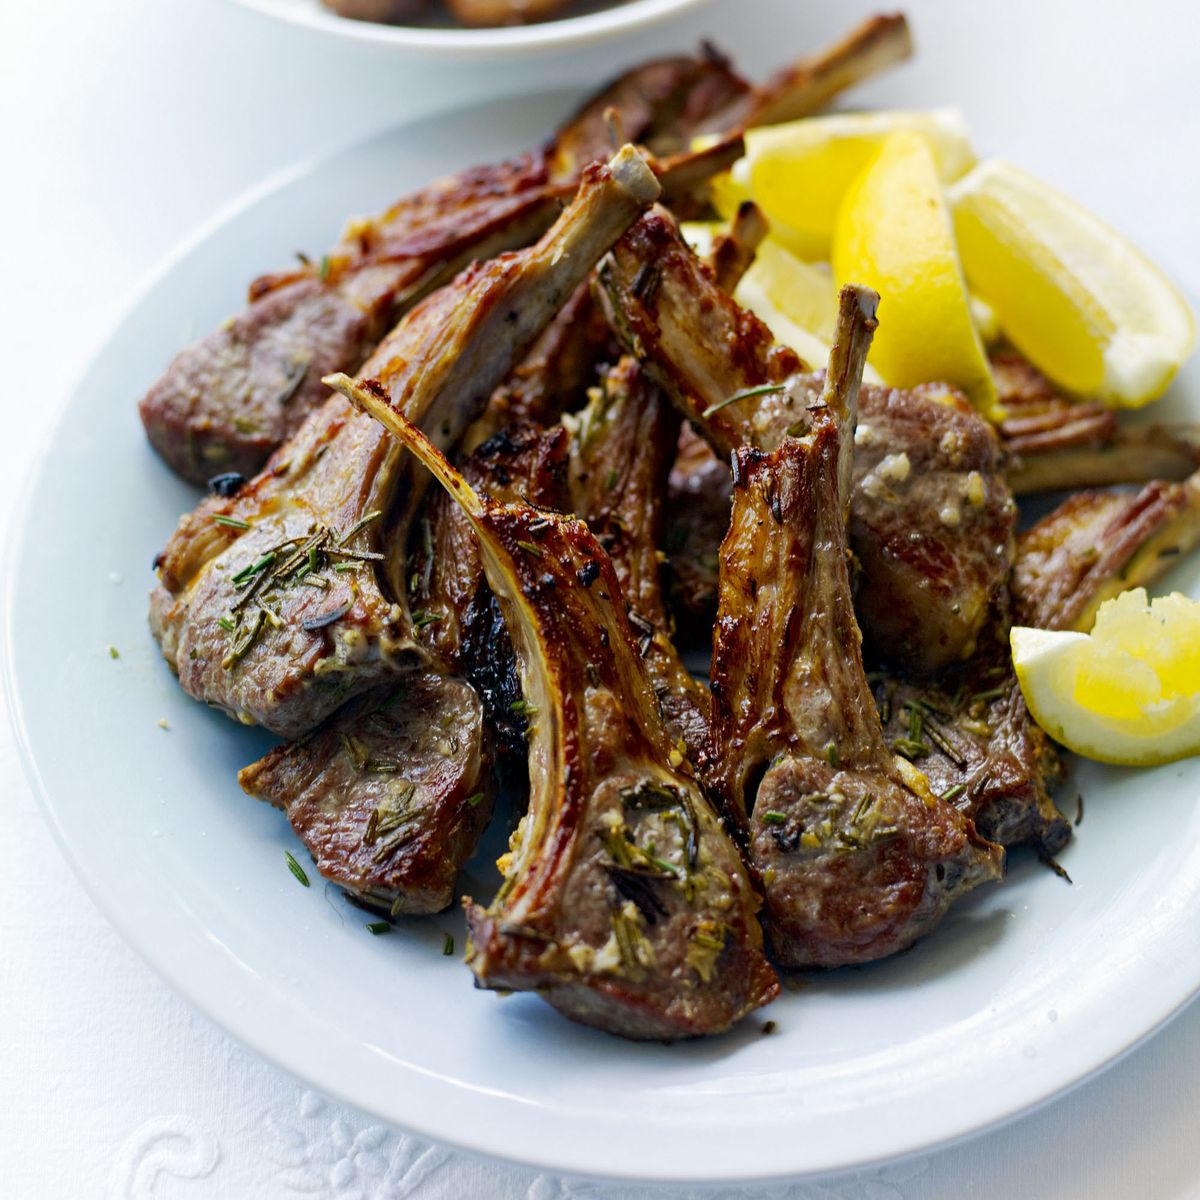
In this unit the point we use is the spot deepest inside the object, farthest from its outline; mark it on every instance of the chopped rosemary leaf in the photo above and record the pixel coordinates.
(953, 793)
(448, 945)
(762, 390)
(378, 927)
(522, 708)
(360, 525)
(230, 522)
(296, 869)
(611, 481)
(473, 800)
(226, 624)
(774, 818)
(831, 753)
(113, 652)
(421, 618)
(532, 548)
(323, 269)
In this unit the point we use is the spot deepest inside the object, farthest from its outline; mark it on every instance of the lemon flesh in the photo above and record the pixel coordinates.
(1128, 692)
(1080, 302)
(799, 172)
(894, 234)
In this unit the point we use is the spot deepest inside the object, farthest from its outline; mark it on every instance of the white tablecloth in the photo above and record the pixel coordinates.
(127, 123)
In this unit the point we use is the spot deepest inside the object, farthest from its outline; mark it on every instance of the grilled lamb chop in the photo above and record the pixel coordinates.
(226, 402)
(462, 622)
(390, 795)
(1098, 543)
(229, 400)
(931, 517)
(1056, 444)
(271, 604)
(859, 858)
(625, 904)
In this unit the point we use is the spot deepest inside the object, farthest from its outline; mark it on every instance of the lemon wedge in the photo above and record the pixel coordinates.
(1128, 692)
(796, 300)
(797, 173)
(894, 234)
(1074, 296)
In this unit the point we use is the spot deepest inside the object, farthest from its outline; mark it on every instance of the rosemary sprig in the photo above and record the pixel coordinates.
(230, 522)
(360, 525)
(747, 394)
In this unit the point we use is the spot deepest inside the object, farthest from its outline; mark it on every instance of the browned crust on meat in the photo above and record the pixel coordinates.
(1098, 543)
(390, 797)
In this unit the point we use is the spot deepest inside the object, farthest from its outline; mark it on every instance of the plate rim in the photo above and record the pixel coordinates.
(543, 37)
(256, 1037)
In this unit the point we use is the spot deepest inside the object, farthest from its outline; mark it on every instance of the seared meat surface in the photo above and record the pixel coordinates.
(1098, 543)
(699, 497)
(931, 516)
(931, 523)
(859, 858)
(1054, 443)
(272, 604)
(227, 402)
(969, 732)
(625, 904)
(390, 796)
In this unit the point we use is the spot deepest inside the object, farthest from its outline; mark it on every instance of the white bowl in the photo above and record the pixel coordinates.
(613, 19)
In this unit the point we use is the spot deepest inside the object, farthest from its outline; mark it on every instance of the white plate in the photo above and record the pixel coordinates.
(1026, 988)
(596, 22)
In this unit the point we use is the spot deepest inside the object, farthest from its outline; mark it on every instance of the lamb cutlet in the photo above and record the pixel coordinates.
(224, 404)
(391, 794)
(272, 605)
(625, 905)
(622, 448)
(1099, 543)
(937, 552)
(1053, 443)
(858, 857)
(931, 523)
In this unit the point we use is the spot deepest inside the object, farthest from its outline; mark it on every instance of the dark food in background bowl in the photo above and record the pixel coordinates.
(480, 13)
